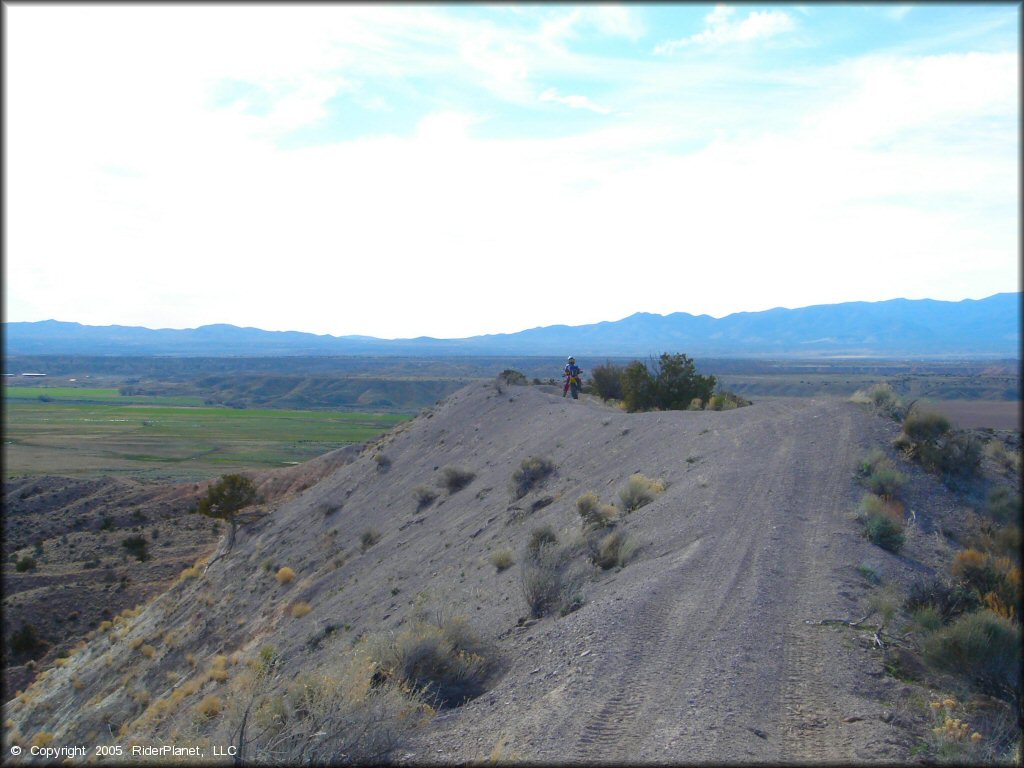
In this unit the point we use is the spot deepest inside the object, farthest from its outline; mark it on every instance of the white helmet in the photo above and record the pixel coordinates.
(570, 359)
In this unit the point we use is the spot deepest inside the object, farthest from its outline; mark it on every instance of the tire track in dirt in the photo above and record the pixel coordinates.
(813, 729)
(654, 684)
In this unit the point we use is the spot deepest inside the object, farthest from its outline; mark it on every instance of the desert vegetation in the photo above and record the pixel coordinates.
(549, 582)
(532, 472)
(639, 490)
(442, 660)
(454, 479)
(226, 498)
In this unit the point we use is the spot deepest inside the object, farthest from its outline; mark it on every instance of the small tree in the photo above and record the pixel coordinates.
(226, 497)
(638, 389)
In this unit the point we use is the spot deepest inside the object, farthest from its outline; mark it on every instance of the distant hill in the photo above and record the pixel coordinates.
(898, 327)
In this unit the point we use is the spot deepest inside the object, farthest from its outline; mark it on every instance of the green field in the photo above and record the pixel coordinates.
(97, 431)
(92, 395)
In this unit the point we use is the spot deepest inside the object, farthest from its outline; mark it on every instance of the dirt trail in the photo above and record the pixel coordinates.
(708, 657)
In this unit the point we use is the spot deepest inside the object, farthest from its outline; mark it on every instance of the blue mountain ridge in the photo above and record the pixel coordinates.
(893, 328)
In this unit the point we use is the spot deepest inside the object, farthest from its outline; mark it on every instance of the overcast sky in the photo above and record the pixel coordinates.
(399, 171)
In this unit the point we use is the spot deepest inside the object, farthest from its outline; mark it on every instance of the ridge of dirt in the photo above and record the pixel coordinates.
(698, 650)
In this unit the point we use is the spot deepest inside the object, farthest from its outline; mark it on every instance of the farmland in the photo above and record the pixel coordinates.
(59, 430)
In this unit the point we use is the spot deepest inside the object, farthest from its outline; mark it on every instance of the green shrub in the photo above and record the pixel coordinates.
(137, 546)
(723, 401)
(533, 471)
(454, 479)
(594, 514)
(885, 481)
(883, 525)
(512, 377)
(871, 461)
(981, 646)
(925, 426)
(607, 381)
(638, 491)
(25, 564)
(1003, 504)
(638, 393)
(26, 640)
(957, 455)
(927, 618)
(948, 598)
(445, 662)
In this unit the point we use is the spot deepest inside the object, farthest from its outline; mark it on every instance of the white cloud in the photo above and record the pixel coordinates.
(722, 29)
(576, 102)
(898, 12)
(132, 201)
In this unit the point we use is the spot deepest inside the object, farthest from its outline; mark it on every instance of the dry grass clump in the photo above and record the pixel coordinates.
(348, 714)
(454, 479)
(503, 559)
(42, 739)
(210, 706)
(1003, 504)
(301, 609)
(987, 575)
(424, 496)
(148, 651)
(548, 581)
(532, 471)
(594, 514)
(368, 538)
(285, 575)
(1008, 459)
(445, 661)
(640, 490)
(189, 573)
(883, 398)
(613, 549)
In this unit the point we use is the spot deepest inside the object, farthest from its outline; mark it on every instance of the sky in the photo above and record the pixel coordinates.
(449, 171)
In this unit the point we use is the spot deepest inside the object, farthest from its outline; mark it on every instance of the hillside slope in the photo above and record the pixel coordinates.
(698, 649)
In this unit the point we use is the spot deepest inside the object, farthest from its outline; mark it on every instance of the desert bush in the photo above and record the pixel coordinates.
(986, 575)
(445, 662)
(368, 538)
(927, 618)
(541, 536)
(424, 496)
(612, 549)
(550, 582)
(594, 514)
(1003, 504)
(638, 392)
(532, 471)
(454, 479)
(26, 563)
(949, 598)
(210, 706)
(872, 460)
(882, 397)
(300, 609)
(607, 380)
(672, 385)
(639, 490)
(981, 646)
(723, 401)
(137, 546)
(285, 575)
(350, 715)
(502, 559)
(147, 650)
(382, 461)
(1010, 460)
(513, 377)
(883, 523)
(26, 640)
(885, 481)
(925, 426)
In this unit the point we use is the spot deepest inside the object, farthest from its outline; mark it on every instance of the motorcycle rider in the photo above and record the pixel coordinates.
(572, 378)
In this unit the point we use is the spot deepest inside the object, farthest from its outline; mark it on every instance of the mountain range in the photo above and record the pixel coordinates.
(897, 327)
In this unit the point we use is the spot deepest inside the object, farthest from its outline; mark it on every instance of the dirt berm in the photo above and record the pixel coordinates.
(697, 650)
